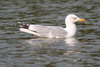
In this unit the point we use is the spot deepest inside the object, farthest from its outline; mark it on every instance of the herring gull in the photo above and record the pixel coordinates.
(53, 31)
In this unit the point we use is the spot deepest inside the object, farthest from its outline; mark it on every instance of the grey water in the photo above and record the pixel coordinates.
(18, 49)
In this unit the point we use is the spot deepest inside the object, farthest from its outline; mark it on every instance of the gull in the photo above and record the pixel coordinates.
(53, 31)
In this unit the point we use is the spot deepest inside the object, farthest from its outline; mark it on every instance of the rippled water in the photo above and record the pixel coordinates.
(18, 49)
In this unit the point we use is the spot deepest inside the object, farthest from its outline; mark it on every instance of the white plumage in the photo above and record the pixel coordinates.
(53, 31)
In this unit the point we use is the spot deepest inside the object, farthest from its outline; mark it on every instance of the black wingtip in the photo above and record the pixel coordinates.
(22, 25)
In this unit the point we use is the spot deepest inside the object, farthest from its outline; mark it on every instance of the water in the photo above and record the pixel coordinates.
(18, 49)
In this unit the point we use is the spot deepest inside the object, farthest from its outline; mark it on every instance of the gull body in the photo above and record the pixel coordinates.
(53, 31)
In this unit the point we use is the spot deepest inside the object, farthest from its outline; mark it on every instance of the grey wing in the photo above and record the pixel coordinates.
(58, 32)
(39, 29)
(45, 31)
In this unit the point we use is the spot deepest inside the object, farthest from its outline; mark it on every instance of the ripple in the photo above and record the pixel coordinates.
(25, 50)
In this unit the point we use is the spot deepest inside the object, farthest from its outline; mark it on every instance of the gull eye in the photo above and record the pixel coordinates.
(74, 18)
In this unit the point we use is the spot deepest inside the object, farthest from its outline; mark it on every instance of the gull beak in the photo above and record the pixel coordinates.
(82, 20)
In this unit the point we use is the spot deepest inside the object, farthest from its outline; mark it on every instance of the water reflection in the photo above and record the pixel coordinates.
(60, 52)
(53, 51)
(72, 41)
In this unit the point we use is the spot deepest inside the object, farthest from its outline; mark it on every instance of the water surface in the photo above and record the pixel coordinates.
(18, 49)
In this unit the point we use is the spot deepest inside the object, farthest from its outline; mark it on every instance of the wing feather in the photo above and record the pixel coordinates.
(45, 31)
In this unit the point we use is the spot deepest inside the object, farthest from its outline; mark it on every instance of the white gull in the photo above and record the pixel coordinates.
(53, 31)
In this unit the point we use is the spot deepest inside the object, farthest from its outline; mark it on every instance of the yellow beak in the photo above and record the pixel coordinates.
(82, 20)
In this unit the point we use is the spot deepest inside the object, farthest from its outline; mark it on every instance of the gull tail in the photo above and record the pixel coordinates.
(25, 28)
(22, 25)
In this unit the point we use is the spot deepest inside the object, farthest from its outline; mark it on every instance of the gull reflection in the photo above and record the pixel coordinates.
(53, 41)
(72, 41)
(49, 47)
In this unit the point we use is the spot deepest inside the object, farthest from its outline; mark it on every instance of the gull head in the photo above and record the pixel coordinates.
(72, 18)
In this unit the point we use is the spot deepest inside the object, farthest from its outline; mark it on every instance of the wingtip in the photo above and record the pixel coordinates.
(22, 25)
(18, 22)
